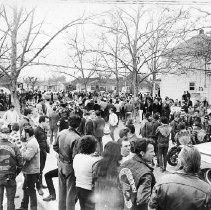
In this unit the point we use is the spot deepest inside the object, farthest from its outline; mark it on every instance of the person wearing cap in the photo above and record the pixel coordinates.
(64, 146)
(182, 190)
(10, 166)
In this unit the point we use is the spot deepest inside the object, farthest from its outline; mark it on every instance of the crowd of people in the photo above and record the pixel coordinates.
(96, 167)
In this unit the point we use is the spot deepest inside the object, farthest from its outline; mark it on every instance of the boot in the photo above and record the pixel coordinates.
(50, 197)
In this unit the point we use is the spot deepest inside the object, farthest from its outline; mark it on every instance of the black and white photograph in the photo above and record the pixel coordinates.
(105, 105)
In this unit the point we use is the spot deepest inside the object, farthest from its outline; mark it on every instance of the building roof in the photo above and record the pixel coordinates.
(4, 80)
(199, 45)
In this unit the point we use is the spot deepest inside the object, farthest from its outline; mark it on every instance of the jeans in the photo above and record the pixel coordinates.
(67, 191)
(48, 178)
(10, 187)
(43, 156)
(85, 198)
(29, 190)
(162, 156)
(53, 132)
(112, 128)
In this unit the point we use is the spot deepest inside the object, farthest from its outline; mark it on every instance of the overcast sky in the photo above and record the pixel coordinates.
(58, 12)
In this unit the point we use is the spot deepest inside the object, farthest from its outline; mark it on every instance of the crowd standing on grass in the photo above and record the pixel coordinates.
(96, 168)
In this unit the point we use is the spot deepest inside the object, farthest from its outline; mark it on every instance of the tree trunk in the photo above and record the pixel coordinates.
(135, 77)
(14, 97)
(117, 84)
(135, 83)
(85, 87)
(153, 84)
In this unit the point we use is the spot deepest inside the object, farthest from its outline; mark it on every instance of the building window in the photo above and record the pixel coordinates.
(192, 86)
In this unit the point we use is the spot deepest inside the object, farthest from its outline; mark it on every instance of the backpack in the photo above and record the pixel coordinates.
(129, 190)
(201, 135)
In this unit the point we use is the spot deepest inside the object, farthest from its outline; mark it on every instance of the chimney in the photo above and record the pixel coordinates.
(201, 31)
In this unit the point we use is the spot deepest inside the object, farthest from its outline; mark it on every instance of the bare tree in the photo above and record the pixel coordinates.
(20, 43)
(142, 46)
(82, 63)
(31, 82)
(110, 42)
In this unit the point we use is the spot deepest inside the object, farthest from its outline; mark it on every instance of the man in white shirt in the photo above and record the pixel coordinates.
(10, 117)
(113, 121)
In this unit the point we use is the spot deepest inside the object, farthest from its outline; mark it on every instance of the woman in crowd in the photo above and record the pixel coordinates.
(107, 195)
(82, 165)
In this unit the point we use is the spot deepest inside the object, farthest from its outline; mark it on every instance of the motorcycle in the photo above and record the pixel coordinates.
(172, 156)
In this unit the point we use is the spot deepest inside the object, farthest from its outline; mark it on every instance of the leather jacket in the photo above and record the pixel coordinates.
(180, 191)
(10, 160)
(41, 136)
(143, 178)
(64, 146)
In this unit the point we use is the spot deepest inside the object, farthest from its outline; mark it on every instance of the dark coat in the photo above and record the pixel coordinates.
(181, 191)
(41, 136)
(143, 179)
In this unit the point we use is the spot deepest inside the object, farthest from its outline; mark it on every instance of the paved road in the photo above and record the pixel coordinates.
(52, 164)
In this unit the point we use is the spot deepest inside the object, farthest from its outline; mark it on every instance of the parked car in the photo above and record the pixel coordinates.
(205, 150)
